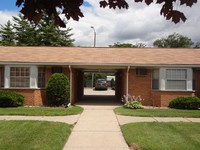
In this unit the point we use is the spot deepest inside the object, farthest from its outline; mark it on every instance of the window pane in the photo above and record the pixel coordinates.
(41, 77)
(19, 77)
(179, 85)
(141, 71)
(56, 70)
(176, 74)
(1, 76)
(155, 79)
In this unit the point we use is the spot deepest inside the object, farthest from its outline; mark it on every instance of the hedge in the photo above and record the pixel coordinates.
(11, 99)
(185, 103)
(58, 90)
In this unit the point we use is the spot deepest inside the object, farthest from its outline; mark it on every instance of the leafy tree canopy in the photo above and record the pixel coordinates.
(127, 45)
(26, 33)
(174, 41)
(35, 9)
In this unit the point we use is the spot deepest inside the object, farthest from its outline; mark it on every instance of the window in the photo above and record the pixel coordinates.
(41, 77)
(56, 70)
(176, 79)
(155, 79)
(1, 76)
(19, 77)
(141, 71)
(194, 79)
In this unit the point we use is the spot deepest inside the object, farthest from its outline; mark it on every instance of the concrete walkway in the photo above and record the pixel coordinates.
(128, 119)
(96, 129)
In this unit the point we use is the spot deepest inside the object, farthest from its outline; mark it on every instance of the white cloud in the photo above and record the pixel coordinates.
(7, 15)
(140, 23)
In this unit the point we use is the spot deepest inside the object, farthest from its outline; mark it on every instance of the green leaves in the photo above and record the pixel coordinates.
(174, 41)
(35, 9)
(58, 90)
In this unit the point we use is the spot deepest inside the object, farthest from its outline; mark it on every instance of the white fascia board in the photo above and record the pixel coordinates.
(102, 64)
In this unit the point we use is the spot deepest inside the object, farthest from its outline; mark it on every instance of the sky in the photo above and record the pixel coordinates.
(139, 24)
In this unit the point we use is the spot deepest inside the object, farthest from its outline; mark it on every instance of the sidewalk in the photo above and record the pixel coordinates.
(96, 129)
(128, 119)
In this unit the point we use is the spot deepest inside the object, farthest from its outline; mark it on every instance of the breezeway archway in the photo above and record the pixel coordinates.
(90, 96)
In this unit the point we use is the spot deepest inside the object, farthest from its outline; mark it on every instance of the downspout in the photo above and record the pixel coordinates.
(127, 82)
(70, 69)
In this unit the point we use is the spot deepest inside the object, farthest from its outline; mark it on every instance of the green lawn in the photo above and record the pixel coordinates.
(41, 111)
(163, 136)
(157, 112)
(37, 135)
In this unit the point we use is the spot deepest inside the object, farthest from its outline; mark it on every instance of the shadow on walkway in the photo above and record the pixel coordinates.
(99, 100)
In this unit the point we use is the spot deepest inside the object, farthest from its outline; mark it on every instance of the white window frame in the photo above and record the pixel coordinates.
(33, 76)
(163, 79)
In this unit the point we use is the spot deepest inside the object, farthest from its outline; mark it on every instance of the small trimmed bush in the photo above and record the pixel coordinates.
(132, 102)
(11, 99)
(58, 90)
(185, 103)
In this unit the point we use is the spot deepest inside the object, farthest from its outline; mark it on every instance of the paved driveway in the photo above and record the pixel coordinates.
(90, 91)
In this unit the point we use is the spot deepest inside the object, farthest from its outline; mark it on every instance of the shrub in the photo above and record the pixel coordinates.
(11, 99)
(185, 103)
(57, 90)
(132, 102)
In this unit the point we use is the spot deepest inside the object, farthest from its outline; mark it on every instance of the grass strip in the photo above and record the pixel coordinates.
(157, 112)
(41, 111)
(37, 135)
(165, 136)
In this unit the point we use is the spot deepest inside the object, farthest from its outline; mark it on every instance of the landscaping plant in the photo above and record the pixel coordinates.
(132, 102)
(11, 99)
(58, 90)
(185, 103)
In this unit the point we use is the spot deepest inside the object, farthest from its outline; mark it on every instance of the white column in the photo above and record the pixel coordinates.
(33, 77)
(70, 69)
(162, 78)
(127, 82)
(189, 79)
(7, 77)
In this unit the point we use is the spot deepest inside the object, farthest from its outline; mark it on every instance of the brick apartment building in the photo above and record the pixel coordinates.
(157, 75)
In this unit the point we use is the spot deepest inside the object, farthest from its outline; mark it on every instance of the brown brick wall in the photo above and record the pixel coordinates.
(140, 86)
(32, 97)
(166, 97)
(155, 98)
(162, 98)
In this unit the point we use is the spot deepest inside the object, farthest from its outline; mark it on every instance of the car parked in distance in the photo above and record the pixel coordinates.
(101, 84)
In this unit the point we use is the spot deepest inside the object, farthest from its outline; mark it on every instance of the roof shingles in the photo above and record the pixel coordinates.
(78, 55)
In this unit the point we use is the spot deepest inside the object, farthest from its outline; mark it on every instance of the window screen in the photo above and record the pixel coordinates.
(141, 71)
(1, 76)
(176, 79)
(19, 77)
(41, 77)
(56, 70)
(155, 79)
